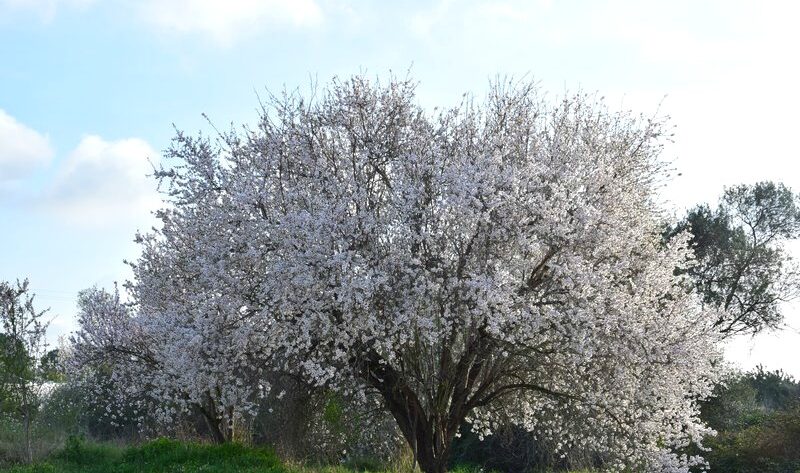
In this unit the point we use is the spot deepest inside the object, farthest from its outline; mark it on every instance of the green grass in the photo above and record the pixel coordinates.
(169, 456)
(12, 441)
(162, 456)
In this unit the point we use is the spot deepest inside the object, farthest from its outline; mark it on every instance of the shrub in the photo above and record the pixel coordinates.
(771, 446)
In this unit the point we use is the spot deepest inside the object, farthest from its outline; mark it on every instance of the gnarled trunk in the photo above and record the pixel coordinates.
(430, 441)
(430, 435)
(218, 433)
(220, 429)
(432, 447)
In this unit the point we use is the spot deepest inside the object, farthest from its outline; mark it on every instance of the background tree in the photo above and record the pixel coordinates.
(51, 366)
(490, 262)
(743, 266)
(22, 344)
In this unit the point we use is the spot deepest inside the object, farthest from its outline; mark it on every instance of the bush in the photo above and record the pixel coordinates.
(757, 415)
(770, 446)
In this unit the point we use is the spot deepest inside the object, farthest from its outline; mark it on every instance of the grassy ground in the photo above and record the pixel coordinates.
(167, 456)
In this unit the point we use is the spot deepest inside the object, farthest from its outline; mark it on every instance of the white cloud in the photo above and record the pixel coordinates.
(105, 183)
(423, 22)
(222, 20)
(483, 19)
(45, 9)
(22, 149)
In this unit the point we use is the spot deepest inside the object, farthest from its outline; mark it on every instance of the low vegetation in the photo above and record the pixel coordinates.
(158, 455)
(757, 417)
(169, 456)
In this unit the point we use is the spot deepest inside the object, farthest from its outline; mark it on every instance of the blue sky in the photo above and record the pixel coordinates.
(90, 89)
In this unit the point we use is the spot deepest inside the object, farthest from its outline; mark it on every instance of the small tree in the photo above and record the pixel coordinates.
(23, 344)
(191, 351)
(742, 265)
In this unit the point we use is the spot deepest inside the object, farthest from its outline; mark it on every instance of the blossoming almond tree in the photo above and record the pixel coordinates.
(494, 261)
(187, 350)
(186, 341)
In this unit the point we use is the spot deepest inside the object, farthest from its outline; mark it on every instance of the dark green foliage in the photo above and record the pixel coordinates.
(50, 367)
(14, 365)
(770, 445)
(64, 410)
(363, 464)
(735, 406)
(758, 418)
(333, 411)
(743, 400)
(742, 265)
(775, 390)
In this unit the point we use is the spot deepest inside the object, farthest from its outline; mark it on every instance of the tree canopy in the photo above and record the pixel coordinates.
(492, 261)
(742, 265)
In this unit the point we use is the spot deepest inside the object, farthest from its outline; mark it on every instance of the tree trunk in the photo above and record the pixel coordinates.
(28, 447)
(432, 454)
(27, 421)
(429, 436)
(221, 431)
(431, 442)
(217, 433)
